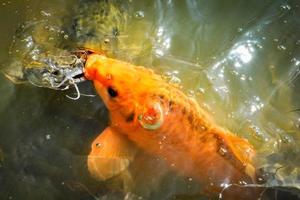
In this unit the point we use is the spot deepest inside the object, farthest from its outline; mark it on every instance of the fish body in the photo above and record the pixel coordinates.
(161, 120)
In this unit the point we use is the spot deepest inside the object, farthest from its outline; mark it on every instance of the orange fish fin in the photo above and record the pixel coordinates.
(111, 154)
(143, 176)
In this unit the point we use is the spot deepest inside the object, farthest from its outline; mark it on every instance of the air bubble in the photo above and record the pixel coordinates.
(139, 14)
(48, 137)
(260, 179)
(243, 77)
(106, 40)
(285, 7)
(242, 183)
(45, 14)
(222, 151)
(201, 90)
(174, 80)
(281, 47)
(230, 115)
(191, 93)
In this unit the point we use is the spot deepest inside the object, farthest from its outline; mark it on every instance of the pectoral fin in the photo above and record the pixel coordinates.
(111, 154)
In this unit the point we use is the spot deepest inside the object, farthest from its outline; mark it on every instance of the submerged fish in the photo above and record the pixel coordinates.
(155, 116)
(50, 71)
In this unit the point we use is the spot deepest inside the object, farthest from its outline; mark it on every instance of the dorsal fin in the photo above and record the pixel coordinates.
(242, 150)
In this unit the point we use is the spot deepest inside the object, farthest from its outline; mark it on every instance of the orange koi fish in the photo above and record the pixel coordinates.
(148, 112)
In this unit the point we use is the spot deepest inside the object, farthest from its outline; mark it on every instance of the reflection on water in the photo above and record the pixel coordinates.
(240, 60)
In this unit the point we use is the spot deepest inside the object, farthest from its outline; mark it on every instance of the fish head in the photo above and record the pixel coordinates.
(127, 90)
(57, 70)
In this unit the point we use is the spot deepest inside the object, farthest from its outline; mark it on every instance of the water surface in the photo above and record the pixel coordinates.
(239, 59)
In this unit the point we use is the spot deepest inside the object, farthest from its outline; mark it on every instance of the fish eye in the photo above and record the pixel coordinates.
(112, 92)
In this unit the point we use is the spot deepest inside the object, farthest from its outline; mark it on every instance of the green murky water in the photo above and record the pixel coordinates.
(239, 59)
